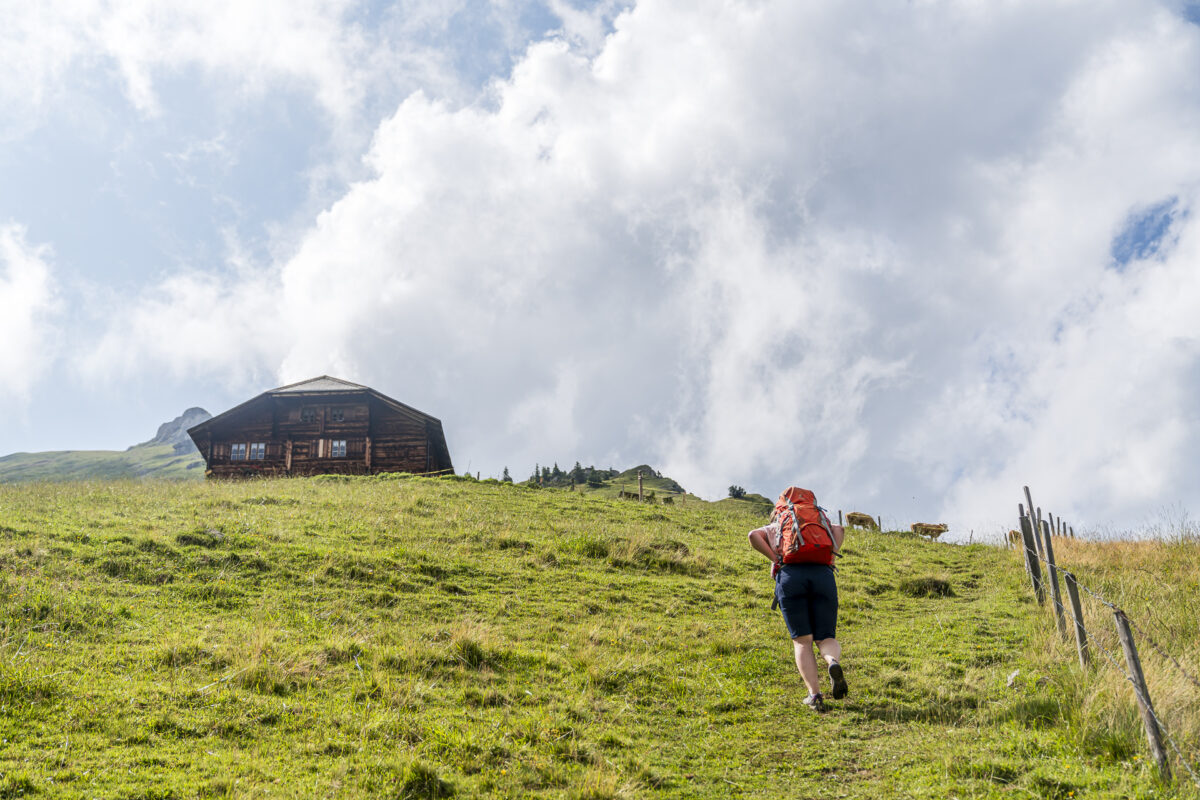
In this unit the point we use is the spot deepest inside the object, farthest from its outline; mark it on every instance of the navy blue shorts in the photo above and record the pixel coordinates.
(807, 595)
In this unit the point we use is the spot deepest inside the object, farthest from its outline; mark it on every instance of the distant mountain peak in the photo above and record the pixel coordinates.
(179, 461)
(175, 432)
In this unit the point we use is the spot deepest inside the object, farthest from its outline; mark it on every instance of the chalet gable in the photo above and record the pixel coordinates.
(324, 424)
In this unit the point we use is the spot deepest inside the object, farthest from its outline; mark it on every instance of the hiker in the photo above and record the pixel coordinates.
(805, 588)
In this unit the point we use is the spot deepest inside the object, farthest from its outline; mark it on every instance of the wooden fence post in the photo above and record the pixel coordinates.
(1055, 592)
(1035, 569)
(1037, 527)
(639, 486)
(839, 518)
(1020, 516)
(1029, 505)
(1153, 734)
(879, 521)
(1081, 640)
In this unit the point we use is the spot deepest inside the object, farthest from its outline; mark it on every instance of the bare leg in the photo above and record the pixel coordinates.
(806, 662)
(830, 649)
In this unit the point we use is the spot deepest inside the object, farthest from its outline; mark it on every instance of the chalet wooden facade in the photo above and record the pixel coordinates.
(321, 426)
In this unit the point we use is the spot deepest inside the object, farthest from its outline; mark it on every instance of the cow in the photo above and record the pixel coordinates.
(857, 519)
(930, 529)
(1015, 539)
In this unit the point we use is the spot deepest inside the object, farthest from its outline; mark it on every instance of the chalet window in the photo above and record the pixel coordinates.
(337, 414)
(308, 415)
(258, 451)
(237, 452)
(337, 448)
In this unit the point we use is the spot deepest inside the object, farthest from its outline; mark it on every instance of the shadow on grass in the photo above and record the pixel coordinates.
(19, 688)
(1033, 712)
(943, 711)
(1000, 772)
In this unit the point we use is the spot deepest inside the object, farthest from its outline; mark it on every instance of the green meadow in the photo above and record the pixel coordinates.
(144, 460)
(405, 637)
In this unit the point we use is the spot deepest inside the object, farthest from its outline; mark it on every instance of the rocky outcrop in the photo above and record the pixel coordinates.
(174, 432)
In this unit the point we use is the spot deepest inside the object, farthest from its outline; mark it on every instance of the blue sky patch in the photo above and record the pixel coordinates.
(1143, 233)
(1191, 12)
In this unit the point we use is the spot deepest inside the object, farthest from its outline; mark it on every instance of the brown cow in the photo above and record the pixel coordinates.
(857, 519)
(929, 529)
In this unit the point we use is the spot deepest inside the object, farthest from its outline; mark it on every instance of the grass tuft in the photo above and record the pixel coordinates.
(925, 587)
(422, 782)
(16, 784)
(201, 537)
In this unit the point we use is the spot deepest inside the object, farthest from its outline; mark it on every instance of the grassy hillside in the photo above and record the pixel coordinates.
(750, 503)
(627, 481)
(415, 638)
(143, 461)
(662, 490)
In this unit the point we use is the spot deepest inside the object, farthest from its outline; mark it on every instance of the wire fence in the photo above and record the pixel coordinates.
(1037, 542)
(1162, 652)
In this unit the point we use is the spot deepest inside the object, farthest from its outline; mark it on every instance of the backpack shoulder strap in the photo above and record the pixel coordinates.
(829, 531)
(796, 528)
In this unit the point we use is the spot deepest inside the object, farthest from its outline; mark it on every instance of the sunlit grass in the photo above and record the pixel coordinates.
(403, 637)
(1157, 584)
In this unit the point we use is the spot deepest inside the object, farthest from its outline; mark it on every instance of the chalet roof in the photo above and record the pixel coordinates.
(323, 383)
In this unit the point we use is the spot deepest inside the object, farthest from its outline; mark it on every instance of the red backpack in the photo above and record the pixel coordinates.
(805, 536)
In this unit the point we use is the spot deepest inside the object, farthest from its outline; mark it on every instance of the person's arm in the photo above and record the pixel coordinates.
(839, 536)
(760, 540)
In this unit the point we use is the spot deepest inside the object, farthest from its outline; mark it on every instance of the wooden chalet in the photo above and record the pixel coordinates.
(320, 426)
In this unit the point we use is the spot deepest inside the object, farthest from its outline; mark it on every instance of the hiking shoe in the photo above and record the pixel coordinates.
(840, 689)
(816, 702)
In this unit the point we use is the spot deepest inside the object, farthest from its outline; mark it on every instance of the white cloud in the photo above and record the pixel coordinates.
(27, 302)
(764, 243)
(346, 55)
(588, 27)
(191, 324)
(310, 42)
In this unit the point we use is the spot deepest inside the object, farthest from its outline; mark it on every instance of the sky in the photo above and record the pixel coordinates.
(912, 256)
